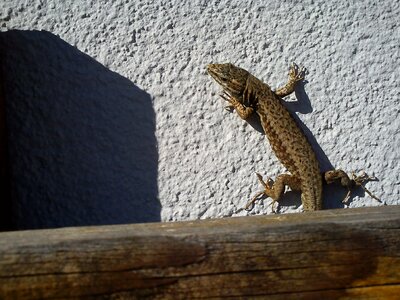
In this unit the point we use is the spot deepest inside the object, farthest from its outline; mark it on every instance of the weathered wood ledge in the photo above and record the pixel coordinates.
(331, 254)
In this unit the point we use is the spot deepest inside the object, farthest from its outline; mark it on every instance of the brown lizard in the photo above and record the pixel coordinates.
(247, 94)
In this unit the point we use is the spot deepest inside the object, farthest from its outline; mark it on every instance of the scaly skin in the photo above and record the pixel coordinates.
(247, 94)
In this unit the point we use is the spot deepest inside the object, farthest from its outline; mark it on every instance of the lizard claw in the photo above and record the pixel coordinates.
(267, 186)
(297, 73)
(360, 180)
(227, 98)
(224, 95)
(229, 108)
(253, 200)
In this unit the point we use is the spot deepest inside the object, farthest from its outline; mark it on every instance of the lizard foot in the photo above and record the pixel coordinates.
(296, 73)
(360, 180)
(230, 107)
(341, 177)
(233, 104)
(267, 189)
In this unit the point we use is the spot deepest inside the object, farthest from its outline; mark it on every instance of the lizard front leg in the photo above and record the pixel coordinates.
(275, 189)
(243, 111)
(296, 74)
(341, 177)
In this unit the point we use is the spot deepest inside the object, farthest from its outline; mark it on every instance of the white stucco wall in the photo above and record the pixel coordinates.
(96, 145)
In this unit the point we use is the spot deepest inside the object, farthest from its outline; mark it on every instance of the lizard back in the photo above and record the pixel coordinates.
(287, 140)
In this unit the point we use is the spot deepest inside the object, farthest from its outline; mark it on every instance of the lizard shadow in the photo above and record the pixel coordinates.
(303, 103)
(82, 139)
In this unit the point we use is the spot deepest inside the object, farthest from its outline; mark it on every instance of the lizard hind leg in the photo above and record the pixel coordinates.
(345, 181)
(359, 181)
(275, 189)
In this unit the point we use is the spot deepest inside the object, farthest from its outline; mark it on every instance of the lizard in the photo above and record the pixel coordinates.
(247, 94)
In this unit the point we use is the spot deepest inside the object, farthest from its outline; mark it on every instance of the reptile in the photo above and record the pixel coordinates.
(247, 94)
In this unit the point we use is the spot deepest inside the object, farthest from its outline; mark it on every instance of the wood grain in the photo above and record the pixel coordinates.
(332, 254)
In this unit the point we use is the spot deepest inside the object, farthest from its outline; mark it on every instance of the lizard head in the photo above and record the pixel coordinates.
(232, 79)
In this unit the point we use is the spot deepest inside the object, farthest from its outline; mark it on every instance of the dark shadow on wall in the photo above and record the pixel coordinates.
(81, 138)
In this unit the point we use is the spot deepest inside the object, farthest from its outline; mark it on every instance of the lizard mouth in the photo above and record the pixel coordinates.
(211, 71)
(215, 72)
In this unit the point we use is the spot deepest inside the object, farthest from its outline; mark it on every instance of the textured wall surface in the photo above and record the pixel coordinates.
(113, 118)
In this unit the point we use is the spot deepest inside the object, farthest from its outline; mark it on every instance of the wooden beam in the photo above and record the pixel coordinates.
(344, 253)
